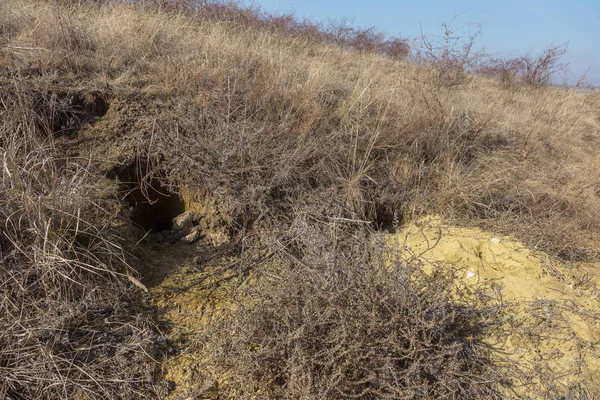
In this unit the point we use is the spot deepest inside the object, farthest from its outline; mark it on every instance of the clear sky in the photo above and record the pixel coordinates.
(510, 27)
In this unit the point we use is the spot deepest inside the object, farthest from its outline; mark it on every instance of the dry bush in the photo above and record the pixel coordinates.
(68, 325)
(508, 71)
(539, 69)
(533, 70)
(340, 315)
(350, 327)
(453, 54)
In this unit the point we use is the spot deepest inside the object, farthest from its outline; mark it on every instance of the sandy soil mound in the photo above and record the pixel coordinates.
(553, 325)
(556, 326)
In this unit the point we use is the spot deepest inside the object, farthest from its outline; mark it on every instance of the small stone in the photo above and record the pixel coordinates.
(471, 275)
(495, 240)
(183, 222)
(191, 238)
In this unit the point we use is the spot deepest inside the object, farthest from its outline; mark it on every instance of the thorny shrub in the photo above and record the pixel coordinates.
(354, 328)
(453, 54)
(533, 70)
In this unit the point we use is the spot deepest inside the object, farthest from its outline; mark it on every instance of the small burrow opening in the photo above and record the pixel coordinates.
(387, 219)
(151, 206)
(155, 209)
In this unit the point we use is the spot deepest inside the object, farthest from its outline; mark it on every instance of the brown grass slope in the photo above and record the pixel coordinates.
(258, 115)
(269, 123)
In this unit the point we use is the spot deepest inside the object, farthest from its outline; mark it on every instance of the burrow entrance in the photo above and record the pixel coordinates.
(150, 206)
(154, 210)
(387, 218)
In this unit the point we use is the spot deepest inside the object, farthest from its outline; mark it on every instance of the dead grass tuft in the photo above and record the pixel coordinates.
(68, 325)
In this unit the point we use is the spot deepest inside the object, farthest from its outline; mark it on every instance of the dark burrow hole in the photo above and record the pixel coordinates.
(155, 209)
(387, 219)
(151, 208)
(63, 114)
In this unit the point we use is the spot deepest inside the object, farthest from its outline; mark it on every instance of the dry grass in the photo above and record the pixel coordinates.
(267, 122)
(265, 115)
(68, 326)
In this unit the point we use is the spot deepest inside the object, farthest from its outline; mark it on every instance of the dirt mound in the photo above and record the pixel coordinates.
(555, 329)
(552, 330)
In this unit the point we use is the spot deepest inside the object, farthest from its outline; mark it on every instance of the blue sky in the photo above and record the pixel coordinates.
(509, 27)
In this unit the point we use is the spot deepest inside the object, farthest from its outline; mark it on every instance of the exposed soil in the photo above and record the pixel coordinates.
(555, 327)
(187, 284)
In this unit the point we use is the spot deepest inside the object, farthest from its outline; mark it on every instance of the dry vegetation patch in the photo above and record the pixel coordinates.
(68, 324)
(352, 330)
(112, 113)
(253, 112)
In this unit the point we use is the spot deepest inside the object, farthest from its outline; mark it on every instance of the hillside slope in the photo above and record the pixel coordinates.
(286, 153)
